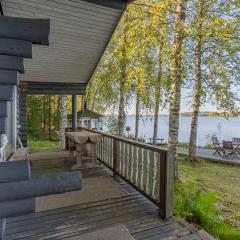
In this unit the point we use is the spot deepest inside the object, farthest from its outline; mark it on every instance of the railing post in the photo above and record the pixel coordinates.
(115, 155)
(166, 183)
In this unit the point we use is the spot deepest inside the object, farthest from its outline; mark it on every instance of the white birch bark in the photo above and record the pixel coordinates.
(121, 111)
(197, 89)
(63, 120)
(122, 85)
(176, 80)
(157, 99)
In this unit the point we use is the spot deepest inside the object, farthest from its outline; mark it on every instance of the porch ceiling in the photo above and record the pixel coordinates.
(79, 33)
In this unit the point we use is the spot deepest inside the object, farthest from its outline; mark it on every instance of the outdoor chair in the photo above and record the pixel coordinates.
(229, 150)
(218, 148)
(236, 144)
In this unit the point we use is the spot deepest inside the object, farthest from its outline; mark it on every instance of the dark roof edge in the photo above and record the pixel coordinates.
(53, 88)
(116, 4)
(1, 9)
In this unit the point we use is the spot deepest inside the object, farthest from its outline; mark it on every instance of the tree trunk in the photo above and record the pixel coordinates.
(176, 80)
(63, 120)
(137, 116)
(122, 90)
(121, 111)
(197, 90)
(157, 99)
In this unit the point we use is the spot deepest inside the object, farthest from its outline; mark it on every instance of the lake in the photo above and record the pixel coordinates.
(223, 128)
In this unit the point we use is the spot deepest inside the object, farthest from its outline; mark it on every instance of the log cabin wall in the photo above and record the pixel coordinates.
(16, 38)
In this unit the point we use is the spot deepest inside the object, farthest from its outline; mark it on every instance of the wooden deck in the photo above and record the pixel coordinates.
(208, 155)
(133, 210)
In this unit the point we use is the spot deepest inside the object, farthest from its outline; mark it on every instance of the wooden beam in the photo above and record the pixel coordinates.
(116, 4)
(9, 77)
(12, 171)
(6, 92)
(12, 63)
(3, 125)
(2, 227)
(42, 185)
(53, 88)
(14, 47)
(3, 109)
(33, 30)
(17, 208)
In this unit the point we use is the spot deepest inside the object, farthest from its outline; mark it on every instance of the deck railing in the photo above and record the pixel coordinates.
(149, 169)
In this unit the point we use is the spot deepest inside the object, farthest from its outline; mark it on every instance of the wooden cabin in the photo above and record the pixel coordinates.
(88, 119)
(54, 47)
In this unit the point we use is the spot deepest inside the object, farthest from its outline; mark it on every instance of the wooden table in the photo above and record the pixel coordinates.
(81, 140)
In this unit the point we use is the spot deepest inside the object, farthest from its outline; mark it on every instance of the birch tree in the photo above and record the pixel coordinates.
(176, 79)
(63, 120)
(211, 29)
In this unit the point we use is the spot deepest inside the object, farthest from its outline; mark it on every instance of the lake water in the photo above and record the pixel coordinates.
(223, 128)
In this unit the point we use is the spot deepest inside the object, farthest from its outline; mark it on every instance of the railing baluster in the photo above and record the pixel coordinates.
(102, 144)
(125, 161)
(107, 151)
(130, 152)
(151, 172)
(122, 157)
(149, 169)
(134, 166)
(110, 152)
(102, 149)
(157, 175)
(115, 156)
(140, 168)
(145, 170)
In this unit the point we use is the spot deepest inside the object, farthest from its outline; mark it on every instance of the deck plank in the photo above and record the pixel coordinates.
(140, 216)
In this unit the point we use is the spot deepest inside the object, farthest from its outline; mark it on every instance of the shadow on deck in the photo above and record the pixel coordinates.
(104, 202)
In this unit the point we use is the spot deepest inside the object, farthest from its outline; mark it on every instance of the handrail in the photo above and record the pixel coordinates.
(147, 168)
(126, 140)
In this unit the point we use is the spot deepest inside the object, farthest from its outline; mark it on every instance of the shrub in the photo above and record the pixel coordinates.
(201, 208)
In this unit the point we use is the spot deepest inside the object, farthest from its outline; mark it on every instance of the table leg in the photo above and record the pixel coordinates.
(71, 150)
(79, 153)
(94, 155)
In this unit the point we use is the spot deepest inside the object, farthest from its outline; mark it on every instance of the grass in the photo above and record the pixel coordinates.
(41, 145)
(225, 179)
(184, 145)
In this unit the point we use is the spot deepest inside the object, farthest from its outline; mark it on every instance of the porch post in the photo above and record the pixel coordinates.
(74, 112)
